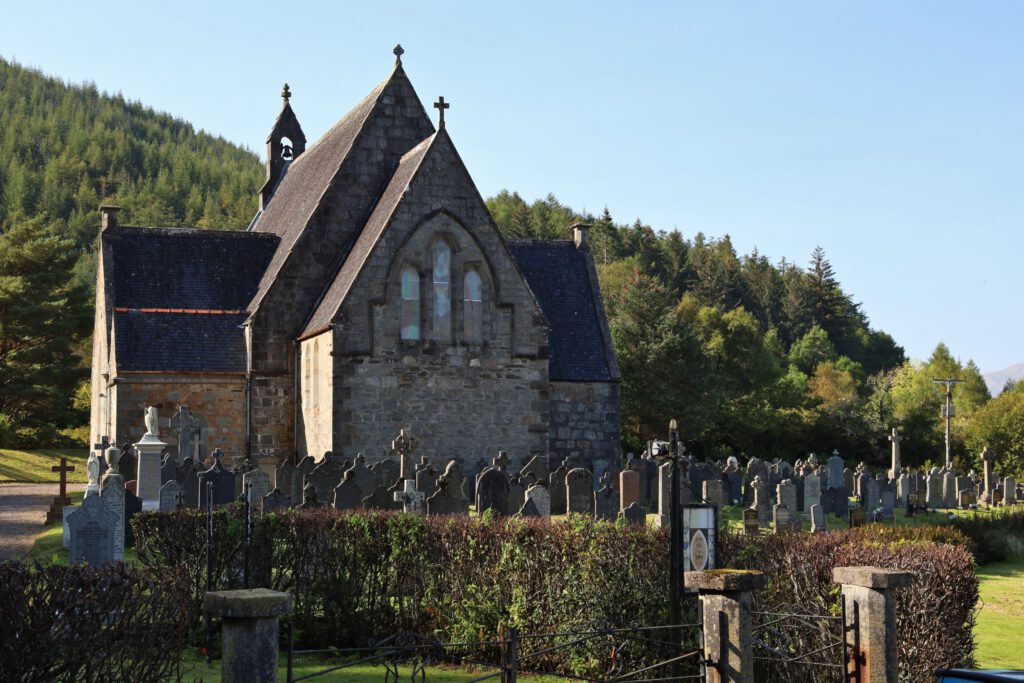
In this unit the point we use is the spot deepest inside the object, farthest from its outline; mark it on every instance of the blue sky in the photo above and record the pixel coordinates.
(890, 133)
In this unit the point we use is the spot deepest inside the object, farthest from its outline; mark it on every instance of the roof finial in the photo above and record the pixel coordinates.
(441, 105)
(286, 93)
(398, 54)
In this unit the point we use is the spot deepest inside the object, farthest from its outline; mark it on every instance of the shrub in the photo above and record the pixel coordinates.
(112, 623)
(994, 534)
(367, 575)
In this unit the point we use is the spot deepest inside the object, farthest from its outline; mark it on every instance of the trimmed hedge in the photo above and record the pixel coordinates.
(80, 623)
(357, 576)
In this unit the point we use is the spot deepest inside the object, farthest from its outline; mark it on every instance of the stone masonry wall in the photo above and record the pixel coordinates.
(317, 389)
(217, 401)
(586, 421)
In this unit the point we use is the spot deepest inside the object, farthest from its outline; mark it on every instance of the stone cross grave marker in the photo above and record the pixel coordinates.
(412, 500)
(92, 533)
(579, 491)
(170, 494)
(606, 504)
(895, 438)
(56, 510)
(187, 426)
(404, 445)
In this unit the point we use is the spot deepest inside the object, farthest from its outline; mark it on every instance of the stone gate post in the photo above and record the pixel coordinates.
(726, 599)
(249, 632)
(869, 597)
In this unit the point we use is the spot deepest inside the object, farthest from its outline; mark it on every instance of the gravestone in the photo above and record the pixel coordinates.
(223, 483)
(170, 493)
(92, 534)
(276, 501)
(902, 490)
(857, 517)
(988, 478)
(112, 496)
(949, 489)
(56, 510)
(538, 467)
(887, 501)
(405, 444)
(785, 494)
(963, 484)
(751, 522)
(871, 496)
(761, 501)
(629, 488)
(449, 499)
(1009, 491)
(783, 519)
(149, 448)
(714, 492)
(579, 491)
(310, 498)
(132, 506)
(812, 491)
(863, 479)
(933, 497)
(189, 479)
(188, 429)
(733, 479)
(538, 502)
(128, 465)
(326, 475)
(168, 470)
(817, 519)
(386, 472)
(348, 495)
(65, 532)
(413, 502)
(492, 492)
(635, 514)
(664, 516)
(967, 498)
(426, 476)
(380, 499)
(606, 503)
(516, 495)
(257, 484)
(895, 438)
(284, 477)
(556, 489)
(848, 482)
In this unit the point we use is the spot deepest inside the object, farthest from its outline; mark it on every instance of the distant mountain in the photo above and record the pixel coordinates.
(996, 380)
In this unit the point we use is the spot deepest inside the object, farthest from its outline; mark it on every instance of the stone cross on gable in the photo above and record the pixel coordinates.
(441, 105)
(500, 460)
(412, 500)
(398, 52)
(187, 426)
(404, 445)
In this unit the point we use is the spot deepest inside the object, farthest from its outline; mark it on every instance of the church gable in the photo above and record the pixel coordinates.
(430, 268)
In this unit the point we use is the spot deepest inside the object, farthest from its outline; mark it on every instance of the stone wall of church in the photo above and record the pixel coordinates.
(457, 406)
(586, 421)
(272, 402)
(218, 402)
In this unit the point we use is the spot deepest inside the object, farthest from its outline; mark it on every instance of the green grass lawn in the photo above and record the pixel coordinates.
(34, 466)
(1000, 628)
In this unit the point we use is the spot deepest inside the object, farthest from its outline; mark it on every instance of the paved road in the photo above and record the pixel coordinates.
(22, 513)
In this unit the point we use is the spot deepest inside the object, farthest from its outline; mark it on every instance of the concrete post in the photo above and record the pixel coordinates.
(869, 597)
(725, 596)
(249, 633)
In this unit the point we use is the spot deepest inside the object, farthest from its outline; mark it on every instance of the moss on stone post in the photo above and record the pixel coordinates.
(869, 597)
(249, 634)
(726, 598)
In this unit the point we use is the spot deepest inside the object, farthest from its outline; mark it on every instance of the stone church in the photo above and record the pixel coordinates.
(371, 292)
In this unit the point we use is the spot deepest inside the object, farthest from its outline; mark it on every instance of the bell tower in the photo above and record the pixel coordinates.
(284, 145)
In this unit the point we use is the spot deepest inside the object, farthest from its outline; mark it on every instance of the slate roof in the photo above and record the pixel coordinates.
(559, 276)
(371, 233)
(180, 294)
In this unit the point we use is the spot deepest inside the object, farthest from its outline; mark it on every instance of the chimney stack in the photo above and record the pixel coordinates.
(108, 216)
(579, 235)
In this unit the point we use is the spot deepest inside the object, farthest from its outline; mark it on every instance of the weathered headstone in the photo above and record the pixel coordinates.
(92, 534)
(785, 494)
(284, 478)
(170, 493)
(538, 502)
(664, 515)
(733, 479)
(714, 492)
(848, 481)
(310, 498)
(348, 495)
(189, 478)
(761, 501)
(413, 501)
(902, 490)
(857, 517)
(635, 514)
(812, 491)
(65, 532)
(128, 465)
(112, 496)
(751, 521)
(275, 501)
(1009, 491)
(426, 476)
(380, 499)
(783, 519)
(168, 469)
(817, 519)
(326, 475)
(132, 506)
(606, 503)
(579, 491)
(887, 501)
(629, 488)
(967, 498)
(516, 495)
(556, 489)
(449, 499)
(223, 483)
(257, 484)
(386, 472)
(492, 492)
(949, 489)
(934, 498)
(871, 498)
(538, 467)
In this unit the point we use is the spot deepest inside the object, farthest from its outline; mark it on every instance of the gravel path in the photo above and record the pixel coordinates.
(22, 514)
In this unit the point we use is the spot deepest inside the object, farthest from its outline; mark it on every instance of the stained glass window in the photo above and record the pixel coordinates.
(442, 323)
(473, 306)
(410, 304)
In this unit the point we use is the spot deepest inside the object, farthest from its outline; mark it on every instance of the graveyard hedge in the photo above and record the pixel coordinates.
(81, 623)
(367, 575)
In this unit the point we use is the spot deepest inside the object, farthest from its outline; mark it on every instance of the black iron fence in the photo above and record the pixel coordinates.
(801, 646)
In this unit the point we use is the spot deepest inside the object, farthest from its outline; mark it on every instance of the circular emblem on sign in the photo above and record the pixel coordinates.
(699, 551)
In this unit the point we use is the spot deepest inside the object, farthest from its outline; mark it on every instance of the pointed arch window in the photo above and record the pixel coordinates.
(410, 304)
(442, 285)
(473, 307)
